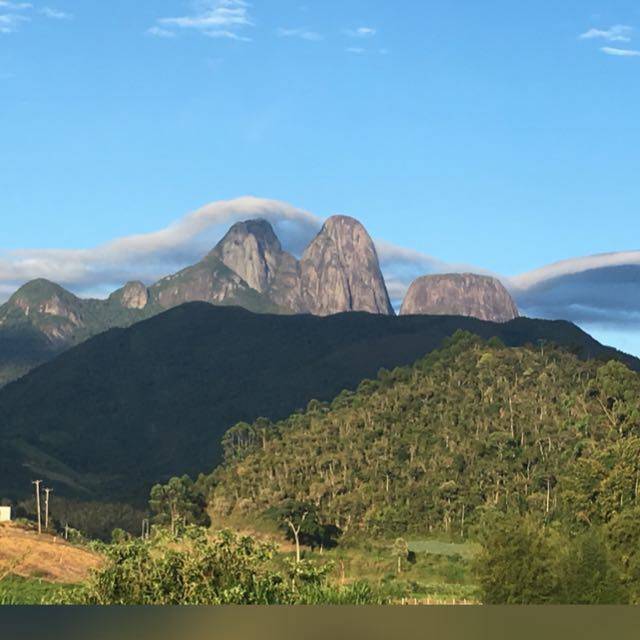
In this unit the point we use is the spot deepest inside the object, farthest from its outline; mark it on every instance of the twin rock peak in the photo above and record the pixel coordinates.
(339, 271)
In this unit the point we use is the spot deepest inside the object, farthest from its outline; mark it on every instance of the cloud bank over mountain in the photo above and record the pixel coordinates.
(600, 293)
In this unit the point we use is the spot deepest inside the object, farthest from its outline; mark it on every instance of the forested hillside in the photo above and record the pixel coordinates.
(470, 429)
(131, 407)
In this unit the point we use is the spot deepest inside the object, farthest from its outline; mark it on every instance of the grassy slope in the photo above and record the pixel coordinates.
(33, 569)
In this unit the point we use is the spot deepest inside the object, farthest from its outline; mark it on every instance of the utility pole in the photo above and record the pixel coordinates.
(47, 491)
(37, 484)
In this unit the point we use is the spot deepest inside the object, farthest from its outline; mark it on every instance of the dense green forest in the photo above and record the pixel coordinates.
(529, 451)
(470, 429)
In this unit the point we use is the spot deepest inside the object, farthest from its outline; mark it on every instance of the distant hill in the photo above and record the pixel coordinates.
(130, 407)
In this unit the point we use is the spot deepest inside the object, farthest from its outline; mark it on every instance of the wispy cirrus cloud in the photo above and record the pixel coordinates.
(621, 53)
(227, 35)
(55, 14)
(14, 14)
(159, 32)
(8, 5)
(301, 33)
(617, 33)
(213, 18)
(10, 23)
(361, 32)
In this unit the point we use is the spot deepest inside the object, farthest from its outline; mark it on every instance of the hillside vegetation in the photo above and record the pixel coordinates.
(132, 407)
(469, 431)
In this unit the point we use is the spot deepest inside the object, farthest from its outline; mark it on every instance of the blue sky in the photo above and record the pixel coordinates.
(501, 134)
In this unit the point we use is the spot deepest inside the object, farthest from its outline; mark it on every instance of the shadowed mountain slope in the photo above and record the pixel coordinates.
(131, 407)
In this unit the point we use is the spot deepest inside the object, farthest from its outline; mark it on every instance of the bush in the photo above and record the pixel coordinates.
(519, 563)
(196, 569)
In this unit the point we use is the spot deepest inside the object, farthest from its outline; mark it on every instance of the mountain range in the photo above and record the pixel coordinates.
(338, 272)
(131, 407)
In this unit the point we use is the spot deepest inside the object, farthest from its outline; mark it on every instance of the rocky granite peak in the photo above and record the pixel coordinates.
(340, 271)
(134, 295)
(460, 294)
(252, 250)
(42, 297)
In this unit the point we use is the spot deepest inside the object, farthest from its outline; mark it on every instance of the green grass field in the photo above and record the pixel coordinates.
(465, 550)
(18, 591)
(437, 571)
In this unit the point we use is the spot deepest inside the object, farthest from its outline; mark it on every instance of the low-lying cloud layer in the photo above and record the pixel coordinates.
(597, 291)
(148, 257)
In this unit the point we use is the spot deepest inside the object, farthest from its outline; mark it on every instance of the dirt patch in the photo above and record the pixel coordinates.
(24, 553)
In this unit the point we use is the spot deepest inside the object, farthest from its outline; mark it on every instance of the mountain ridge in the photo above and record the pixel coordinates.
(338, 272)
(133, 406)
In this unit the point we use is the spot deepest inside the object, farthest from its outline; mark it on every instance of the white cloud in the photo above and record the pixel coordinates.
(15, 6)
(302, 33)
(229, 35)
(573, 266)
(356, 50)
(213, 17)
(617, 33)
(217, 13)
(361, 32)
(55, 14)
(159, 32)
(10, 22)
(622, 53)
(16, 13)
(149, 257)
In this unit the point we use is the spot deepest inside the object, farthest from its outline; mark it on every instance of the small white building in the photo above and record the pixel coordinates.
(5, 514)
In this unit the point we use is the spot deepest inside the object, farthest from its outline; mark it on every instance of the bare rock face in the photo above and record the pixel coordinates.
(210, 280)
(134, 295)
(252, 250)
(340, 271)
(460, 294)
